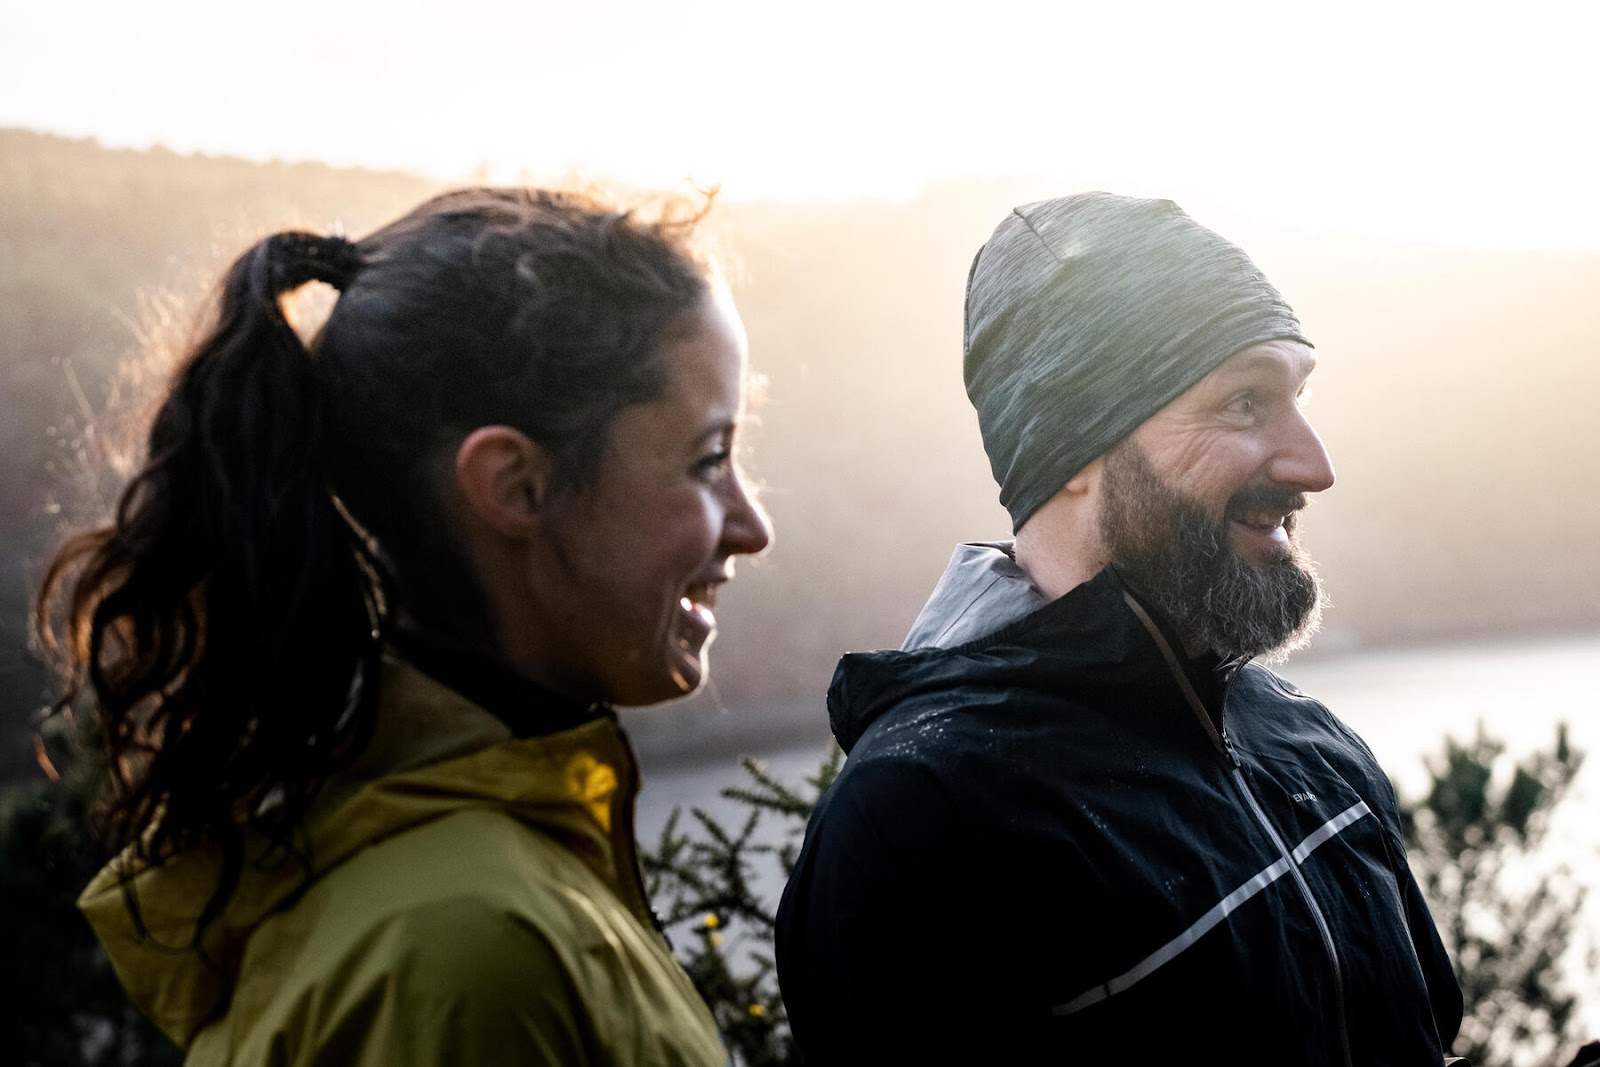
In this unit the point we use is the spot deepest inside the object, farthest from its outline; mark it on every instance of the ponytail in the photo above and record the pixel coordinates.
(226, 622)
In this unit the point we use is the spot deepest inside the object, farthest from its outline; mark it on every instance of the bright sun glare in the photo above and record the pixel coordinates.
(1417, 121)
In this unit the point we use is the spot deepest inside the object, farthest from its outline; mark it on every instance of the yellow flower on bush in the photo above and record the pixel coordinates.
(758, 1010)
(711, 922)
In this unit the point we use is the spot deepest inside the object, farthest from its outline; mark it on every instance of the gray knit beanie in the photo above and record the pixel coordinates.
(1085, 316)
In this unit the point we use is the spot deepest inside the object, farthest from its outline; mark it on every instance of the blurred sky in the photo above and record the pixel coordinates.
(1459, 123)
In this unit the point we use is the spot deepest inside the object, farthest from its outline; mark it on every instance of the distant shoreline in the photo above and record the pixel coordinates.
(696, 731)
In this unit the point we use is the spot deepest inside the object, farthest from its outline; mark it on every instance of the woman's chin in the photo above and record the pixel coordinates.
(688, 665)
(683, 673)
(689, 671)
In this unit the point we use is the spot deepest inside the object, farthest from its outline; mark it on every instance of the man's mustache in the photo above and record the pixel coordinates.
(1267, 498)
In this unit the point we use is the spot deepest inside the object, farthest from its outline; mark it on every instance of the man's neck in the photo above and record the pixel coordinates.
(1057, 554)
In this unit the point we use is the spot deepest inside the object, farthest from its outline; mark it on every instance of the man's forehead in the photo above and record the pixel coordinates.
(1289, 358)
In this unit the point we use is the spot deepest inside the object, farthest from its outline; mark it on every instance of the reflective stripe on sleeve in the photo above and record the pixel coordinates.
(1218, 912)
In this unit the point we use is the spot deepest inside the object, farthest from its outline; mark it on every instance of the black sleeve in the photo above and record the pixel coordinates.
(1444, 991)
(889, 947)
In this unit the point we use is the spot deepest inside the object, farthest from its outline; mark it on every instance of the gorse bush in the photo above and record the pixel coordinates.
(1509, 916)
(703, 886)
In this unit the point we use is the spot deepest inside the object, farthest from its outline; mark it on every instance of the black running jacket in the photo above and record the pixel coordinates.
(1062, 844)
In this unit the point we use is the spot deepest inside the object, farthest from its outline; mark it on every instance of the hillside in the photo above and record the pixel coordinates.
(1454, 395)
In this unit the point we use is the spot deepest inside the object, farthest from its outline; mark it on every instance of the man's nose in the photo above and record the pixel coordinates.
(1301, 460)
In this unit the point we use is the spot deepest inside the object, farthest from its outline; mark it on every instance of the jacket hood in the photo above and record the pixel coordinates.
(433, 753)
(982, 589)
(984, 597)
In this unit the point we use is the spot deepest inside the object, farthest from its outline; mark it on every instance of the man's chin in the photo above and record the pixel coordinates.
(1265, 608)
(1288, 617)
(1297, 640)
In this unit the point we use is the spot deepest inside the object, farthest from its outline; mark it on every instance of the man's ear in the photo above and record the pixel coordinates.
(1085, 480)
(505, 478)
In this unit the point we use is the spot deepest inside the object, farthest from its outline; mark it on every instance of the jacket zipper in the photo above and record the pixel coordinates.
(626, 847)
(1224, 744)
(1305, 893)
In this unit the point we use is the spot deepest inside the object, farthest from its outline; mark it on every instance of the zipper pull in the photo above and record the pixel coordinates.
(1227, 745)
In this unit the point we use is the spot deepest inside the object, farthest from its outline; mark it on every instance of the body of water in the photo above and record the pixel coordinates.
(1404, 702)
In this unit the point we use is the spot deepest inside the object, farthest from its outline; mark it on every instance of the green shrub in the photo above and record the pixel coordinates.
(1508, 916)
(721, 927)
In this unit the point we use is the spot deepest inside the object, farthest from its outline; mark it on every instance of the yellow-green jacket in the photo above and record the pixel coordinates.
(475, 900)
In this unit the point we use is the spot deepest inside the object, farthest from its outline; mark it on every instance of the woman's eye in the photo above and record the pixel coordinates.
(713, 463)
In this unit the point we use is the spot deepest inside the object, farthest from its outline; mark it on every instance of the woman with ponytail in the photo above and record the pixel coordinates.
(354, 634)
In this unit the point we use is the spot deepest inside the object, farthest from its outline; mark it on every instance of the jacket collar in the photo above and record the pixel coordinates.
(433, 753)
(527, 708)
(1015, 639)
(982, 589)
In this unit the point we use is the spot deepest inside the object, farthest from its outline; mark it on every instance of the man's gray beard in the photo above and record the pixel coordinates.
(1180, 560)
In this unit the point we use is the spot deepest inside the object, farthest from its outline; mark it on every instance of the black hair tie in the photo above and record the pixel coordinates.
(299, 258)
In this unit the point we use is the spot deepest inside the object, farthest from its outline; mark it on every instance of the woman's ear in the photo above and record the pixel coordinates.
(505, 479)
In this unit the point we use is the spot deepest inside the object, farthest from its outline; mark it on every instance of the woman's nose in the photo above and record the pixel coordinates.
(746, 529)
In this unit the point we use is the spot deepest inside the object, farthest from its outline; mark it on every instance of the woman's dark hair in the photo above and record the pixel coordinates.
(228, 621)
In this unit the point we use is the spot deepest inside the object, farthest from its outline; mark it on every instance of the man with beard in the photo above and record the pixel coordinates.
(1079, 822)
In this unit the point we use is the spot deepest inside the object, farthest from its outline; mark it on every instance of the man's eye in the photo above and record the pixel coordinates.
(1243, 404)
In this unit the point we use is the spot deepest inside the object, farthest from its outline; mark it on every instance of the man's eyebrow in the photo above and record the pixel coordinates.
(1298, 367)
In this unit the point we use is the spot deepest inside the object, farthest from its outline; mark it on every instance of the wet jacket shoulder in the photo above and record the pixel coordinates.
(1038, 851)
(475, 899)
